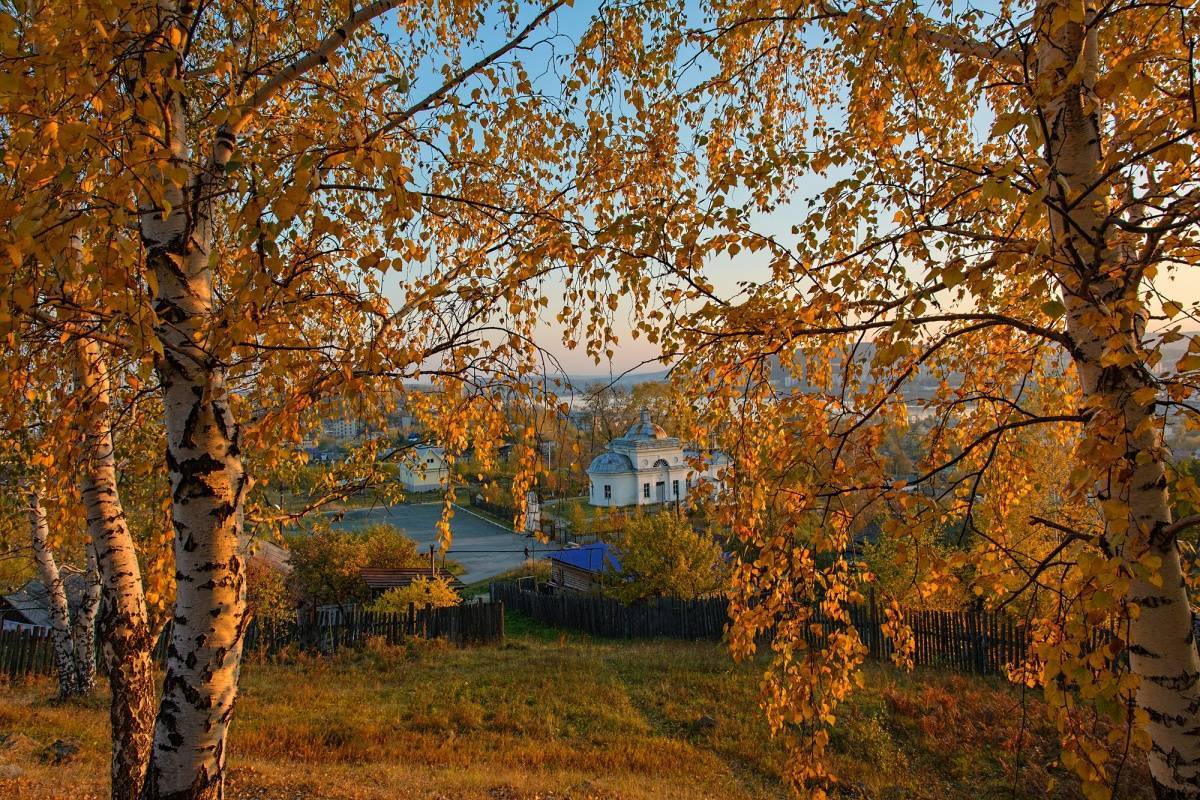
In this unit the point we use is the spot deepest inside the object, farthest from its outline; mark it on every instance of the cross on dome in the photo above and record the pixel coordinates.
(645, 428)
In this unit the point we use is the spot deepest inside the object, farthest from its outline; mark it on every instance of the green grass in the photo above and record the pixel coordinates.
(551, 715)
(537, 569)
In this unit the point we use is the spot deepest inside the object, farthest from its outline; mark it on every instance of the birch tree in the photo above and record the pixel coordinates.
(73, 635)
(998, 200)
(247, 178)
(64, 410)
(83, 623)
(32, 467)
(126, 636)
(56, 597)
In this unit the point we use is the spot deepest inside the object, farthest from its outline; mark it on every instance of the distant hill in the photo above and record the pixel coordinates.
(621, 381)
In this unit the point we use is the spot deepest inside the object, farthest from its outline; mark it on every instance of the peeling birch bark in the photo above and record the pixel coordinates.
(207, 489)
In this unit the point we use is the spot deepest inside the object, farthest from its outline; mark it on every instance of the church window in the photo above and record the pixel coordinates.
(646, 490)
(607, 492)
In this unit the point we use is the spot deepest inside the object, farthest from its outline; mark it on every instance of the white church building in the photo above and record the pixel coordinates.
(646, 466)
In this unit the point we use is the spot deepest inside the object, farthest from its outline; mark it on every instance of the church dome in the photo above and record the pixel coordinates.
(645, 429)
(610, 462)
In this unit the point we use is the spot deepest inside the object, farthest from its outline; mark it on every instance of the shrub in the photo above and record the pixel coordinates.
(386, 547)
(325, 565)
(326, 562)
(662, 555)
(436, 592)
(267, 593)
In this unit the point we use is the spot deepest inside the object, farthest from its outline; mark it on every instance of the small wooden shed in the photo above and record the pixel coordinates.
(28, 608)
(581, 569)
(382, 580)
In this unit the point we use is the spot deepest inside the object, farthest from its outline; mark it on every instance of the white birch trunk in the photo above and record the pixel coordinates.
(87, 374)
(124, 626)
(56, 597)
(207, 481)
(207, 486)
(1099, 297)
(84, 626)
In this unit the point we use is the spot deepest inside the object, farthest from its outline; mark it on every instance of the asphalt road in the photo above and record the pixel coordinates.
(484, 547)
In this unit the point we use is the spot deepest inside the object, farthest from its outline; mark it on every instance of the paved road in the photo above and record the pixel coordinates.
(484, 547)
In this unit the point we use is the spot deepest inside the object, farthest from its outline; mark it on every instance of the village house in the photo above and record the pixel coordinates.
(582, 569)
(28, 608)
(425, 471)
(647, 467)
(383, 580)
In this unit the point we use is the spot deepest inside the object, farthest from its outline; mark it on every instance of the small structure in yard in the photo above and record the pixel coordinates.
(426, 471)
(28, 608)
(267, 553)
(533, 513)
(383, 580)
(581, 569)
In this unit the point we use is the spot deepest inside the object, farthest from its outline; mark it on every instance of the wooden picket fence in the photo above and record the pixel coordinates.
(500, 510)
(466, 624)
(603, 616)
(973, 641)
(503, 511)
(25, 652)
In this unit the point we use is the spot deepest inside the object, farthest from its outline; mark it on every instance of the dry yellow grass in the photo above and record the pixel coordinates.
(555, 718)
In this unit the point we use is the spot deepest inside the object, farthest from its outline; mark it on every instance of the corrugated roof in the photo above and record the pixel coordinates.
(258, 549)
(384, 579)
(32, 600)
(592, 557)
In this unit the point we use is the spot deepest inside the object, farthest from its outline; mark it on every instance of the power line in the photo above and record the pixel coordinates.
(452, 551)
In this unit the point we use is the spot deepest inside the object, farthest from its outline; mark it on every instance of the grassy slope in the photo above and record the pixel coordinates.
(553, 717)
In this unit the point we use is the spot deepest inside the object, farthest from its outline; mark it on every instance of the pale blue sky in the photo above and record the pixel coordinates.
(562, 31)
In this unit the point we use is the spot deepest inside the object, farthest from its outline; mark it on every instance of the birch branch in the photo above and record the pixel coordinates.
(241, 114)
(945, 37)
(437, 94)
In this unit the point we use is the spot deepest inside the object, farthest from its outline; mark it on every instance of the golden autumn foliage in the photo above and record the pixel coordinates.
(237, 216)
(436, 592)
(256, 213)
(662, 555)
(999, 205)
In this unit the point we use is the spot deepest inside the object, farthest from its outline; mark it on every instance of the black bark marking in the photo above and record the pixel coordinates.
(188, 439)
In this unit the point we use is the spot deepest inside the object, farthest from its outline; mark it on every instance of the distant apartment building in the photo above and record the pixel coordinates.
(341, 428)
